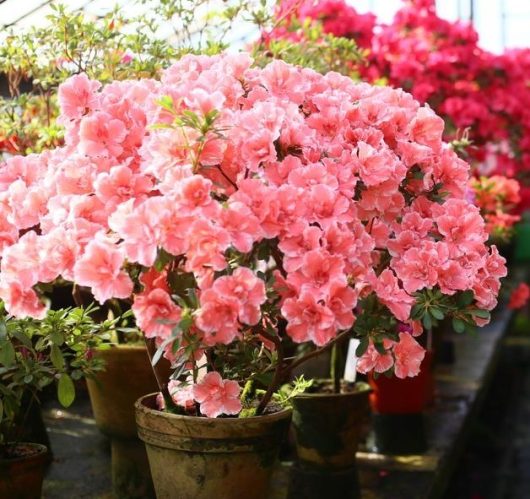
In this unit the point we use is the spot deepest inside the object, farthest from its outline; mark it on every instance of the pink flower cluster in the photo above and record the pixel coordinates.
(441, 63)
(279, 194)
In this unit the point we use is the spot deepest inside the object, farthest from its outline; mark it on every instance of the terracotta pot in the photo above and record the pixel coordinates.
(329, 426)
(128, 375)
(21, 477)
(205, 458)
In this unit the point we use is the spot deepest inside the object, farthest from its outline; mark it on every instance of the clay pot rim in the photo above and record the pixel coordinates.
(362, 388)
(40, 452)
(202, 420)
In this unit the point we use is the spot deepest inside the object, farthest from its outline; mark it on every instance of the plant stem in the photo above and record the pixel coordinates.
(334, 367)
(278, 372)
(162, 383)
(315, 353)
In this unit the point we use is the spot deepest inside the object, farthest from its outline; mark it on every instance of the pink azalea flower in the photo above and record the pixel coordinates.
(101, 135)
(372, 360)
(156, 314)
(181, 393)
(308, 320)
(217, 396)
(409, 356)
(77, 96)
(20, 301)
(121, 184)
(217, 317)
(396, 299)
(247, 289)
(100, 268)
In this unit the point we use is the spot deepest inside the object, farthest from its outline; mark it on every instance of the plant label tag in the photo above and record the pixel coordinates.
(350, 371)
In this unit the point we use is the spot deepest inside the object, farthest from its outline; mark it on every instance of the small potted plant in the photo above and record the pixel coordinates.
(33, 355)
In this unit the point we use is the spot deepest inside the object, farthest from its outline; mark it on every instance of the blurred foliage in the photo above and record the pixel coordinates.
(37, 353)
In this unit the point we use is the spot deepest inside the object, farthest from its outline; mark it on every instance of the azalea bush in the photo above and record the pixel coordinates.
(243, 210)
(440, 63)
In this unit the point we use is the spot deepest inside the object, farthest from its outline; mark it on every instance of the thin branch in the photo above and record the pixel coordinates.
(278, 373)
(315, 353)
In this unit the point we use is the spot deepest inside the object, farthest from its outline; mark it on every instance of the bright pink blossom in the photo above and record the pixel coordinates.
(217, 396)
(100, 268)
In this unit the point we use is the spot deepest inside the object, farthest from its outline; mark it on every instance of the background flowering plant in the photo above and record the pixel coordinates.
(242, 209)
(497, 197)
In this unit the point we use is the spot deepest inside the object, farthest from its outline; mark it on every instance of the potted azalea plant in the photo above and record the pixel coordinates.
(241, 211)
(34, 354)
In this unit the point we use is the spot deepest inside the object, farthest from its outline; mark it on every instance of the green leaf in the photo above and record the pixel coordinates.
(56, 357)
(65, 390)
(459, 325)
(7, 353)
(466, 298)
(1, 410)
(483, 314)
(57, 338)
(362, 347)
(3, 329)
(437, 313)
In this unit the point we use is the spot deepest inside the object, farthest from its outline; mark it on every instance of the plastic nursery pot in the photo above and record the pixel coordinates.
(329, 426)
(128, 375)
(205, 458)
(21, 476)
(398, 406)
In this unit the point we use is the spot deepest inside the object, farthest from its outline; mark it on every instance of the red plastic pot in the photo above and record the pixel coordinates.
(403, 396)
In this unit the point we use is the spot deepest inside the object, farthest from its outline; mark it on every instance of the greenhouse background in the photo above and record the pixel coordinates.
(265, 249)
(500, 23)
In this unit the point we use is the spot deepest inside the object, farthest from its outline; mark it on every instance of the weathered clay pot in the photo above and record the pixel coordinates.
(21, 477)
(128, 375)
(206, 458)
(329, 426)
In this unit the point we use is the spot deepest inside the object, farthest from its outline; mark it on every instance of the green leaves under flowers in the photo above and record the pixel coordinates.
(432, 307)
(65, 390)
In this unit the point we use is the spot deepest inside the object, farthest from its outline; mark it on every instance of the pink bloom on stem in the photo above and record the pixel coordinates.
(519, 297)
(247, 289)
(372, 360)
(101, 135)
(100, 268)
(217, 317)
(120, 185)
(409, 355)
(21, 302)
(156, 314)
(217, 396)
(181, 393)
(308, 320)
(77, 96)
(390, 294)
